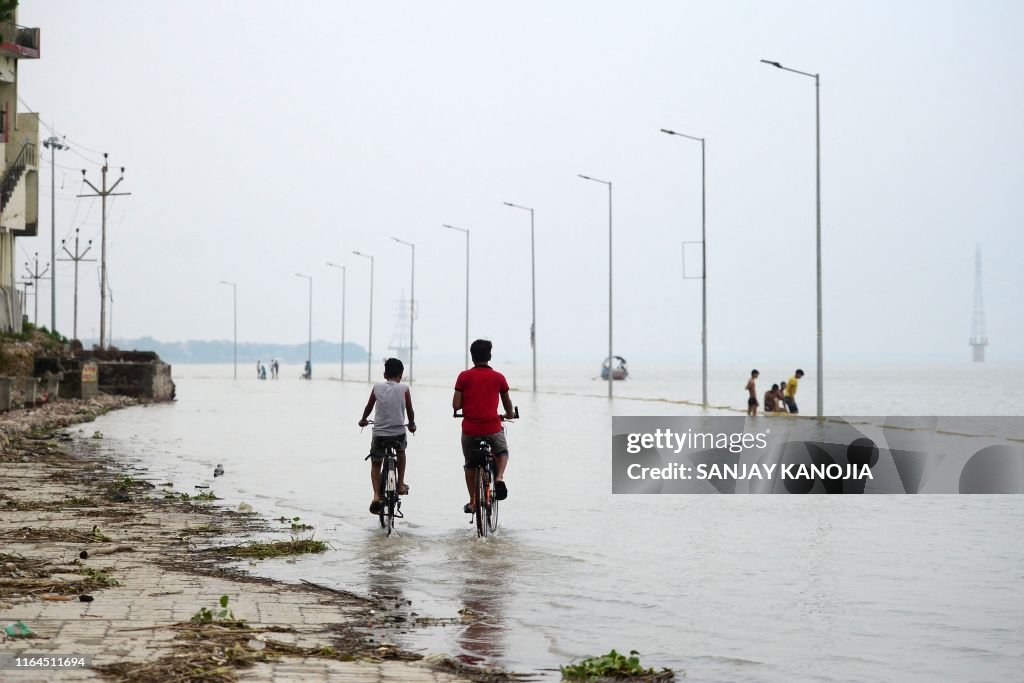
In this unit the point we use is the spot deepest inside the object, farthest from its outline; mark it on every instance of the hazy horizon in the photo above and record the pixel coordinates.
(262, 141)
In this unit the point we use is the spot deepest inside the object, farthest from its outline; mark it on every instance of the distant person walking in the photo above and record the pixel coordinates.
(275, 367)
(307, 372)
(752, 391)
(259, 365)
(791, 386)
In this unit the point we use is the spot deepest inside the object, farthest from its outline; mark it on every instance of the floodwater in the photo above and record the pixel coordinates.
(725, 588)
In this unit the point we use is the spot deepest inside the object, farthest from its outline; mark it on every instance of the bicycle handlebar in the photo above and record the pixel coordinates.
(515, 412)
(408, 424)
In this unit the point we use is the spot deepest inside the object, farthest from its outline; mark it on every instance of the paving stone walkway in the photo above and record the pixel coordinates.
(131, 622)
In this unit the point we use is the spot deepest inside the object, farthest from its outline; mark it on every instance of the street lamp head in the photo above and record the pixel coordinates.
(596, 180)
(509, 204)
(775, 64)
(669, 132)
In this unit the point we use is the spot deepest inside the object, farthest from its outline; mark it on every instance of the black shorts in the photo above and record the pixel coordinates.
(377, 444)
(752, 402)
(499, 446)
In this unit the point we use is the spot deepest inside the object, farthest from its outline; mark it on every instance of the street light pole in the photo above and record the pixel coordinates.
(704, 266)
(343, 273)
(610, 357)
(234, 300)
(817, 171)
(412, 304)
(533, 293)
(369, 350)
(466, 344)
(309, 354)
(53, 144)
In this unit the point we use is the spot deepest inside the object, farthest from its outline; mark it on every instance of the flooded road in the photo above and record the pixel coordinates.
(725, 588)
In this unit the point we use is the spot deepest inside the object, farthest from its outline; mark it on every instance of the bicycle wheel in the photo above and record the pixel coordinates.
(390, 498)
(482, 498)
(382, 493)
(492, 509)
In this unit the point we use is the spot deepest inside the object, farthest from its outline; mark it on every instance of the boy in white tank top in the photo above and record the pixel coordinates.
(393, 402)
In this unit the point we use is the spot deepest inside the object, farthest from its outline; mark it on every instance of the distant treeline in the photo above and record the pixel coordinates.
(198, 351)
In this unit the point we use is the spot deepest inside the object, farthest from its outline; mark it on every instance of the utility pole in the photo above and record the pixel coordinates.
(110, 293)
(76, 257)
(53, 144)
(36, 276)
(103, 194)
(24, 296)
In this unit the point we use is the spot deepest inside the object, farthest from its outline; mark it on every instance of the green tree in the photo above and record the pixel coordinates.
(7, 9)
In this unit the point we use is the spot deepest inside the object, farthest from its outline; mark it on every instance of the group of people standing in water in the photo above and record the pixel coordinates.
(261, 369)
(781, 398)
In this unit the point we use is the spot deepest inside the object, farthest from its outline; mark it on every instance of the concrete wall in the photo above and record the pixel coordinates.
(142, 380)
(131, 373)
(79, 379)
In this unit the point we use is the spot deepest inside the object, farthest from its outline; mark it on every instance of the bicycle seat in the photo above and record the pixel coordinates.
(482, 447)
(391, 443)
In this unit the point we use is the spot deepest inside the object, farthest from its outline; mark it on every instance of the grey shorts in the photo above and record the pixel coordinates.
(377, 446)
(499, 445)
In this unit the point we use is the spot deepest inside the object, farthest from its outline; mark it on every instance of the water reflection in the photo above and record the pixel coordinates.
(486, 570)
(386, 569)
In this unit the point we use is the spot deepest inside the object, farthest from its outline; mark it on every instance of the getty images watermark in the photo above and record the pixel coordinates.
(834, 455)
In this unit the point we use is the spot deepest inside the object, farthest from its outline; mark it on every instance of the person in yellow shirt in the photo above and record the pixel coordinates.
(790, 397)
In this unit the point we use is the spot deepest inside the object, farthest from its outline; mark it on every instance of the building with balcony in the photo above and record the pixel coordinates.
(19, 180)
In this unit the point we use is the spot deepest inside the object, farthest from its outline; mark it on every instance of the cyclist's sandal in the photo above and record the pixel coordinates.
(500, 490)
(376, 507)
(403, 490)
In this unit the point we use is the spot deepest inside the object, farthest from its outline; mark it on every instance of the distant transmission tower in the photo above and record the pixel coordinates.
(400, 339)
(978, 339)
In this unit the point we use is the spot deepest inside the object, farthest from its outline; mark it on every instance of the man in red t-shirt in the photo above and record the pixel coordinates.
(477, 391)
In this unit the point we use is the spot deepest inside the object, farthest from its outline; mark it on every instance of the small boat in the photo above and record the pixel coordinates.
(620, 371)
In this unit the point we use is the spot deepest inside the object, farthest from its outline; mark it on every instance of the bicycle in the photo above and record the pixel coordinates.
(485, 510)
(391, 503)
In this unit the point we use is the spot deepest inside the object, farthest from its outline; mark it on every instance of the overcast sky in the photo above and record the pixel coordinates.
(263, 139)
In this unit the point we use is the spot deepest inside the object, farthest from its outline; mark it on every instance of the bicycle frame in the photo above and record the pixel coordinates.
(485, 512)
(391, 502)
